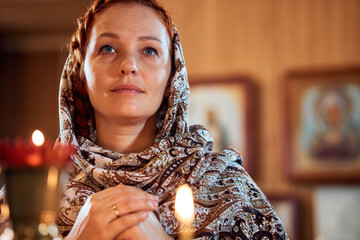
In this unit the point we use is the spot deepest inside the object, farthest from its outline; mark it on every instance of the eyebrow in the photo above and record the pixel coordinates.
(141, 38)
(144, 38)
(108, 34)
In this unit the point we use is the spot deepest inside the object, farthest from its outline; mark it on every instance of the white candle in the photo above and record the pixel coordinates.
(184, 211)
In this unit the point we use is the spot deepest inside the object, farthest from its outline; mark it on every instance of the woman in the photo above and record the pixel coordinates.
(123, 103)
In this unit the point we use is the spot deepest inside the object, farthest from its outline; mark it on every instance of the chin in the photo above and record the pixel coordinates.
(133, 116)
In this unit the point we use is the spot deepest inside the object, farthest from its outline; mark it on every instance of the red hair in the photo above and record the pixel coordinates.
(83, 110)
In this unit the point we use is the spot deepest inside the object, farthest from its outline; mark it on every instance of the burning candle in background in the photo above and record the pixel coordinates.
(184, 211)
(36, 157)
(32, 174)
(38, 138)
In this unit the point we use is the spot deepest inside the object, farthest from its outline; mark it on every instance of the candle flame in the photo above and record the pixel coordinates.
(184, 205)
(38, 138)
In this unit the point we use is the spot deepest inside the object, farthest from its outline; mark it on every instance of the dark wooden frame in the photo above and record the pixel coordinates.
(246, 83)
(321, 176)
(296, 209)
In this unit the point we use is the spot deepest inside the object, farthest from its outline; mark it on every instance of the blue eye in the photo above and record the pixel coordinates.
(150, 51)
(107, 49)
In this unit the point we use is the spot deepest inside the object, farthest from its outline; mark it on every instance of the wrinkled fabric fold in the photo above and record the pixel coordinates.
(228, 204)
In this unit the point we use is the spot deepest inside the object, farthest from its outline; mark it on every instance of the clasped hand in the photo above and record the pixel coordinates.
(120, 212)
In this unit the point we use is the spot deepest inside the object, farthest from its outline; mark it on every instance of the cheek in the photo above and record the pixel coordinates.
(159, 84)
(91, 82)
(164, 75)
(89, 74)
(92, 74)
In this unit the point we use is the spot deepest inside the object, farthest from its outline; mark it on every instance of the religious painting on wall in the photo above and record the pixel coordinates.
(223, 107)
(322, 125)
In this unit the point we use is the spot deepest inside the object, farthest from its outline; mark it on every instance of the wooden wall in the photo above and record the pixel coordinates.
(257, 38)
(264, 40)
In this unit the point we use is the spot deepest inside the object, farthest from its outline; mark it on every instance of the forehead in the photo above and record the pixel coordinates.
(129, 19)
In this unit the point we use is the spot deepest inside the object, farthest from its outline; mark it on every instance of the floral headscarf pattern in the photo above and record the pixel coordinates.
(228, 204)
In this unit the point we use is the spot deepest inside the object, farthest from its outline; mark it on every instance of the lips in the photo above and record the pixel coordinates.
(127, 88)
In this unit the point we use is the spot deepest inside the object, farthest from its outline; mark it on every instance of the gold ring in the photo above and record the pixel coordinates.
(116, 211)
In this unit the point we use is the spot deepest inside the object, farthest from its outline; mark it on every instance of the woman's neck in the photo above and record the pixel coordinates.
(128, 137)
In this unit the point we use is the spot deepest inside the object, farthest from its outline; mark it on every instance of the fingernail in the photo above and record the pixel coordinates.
(145, 214)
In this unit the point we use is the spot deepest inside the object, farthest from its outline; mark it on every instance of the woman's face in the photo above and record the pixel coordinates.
(127, 62)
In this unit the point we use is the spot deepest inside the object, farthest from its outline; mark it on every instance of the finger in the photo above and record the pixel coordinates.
(123, 208)
(130, 191)
(127, 201)
(123, 223)
(105, 193)
(123, 191)
(128, 207)
(121, 198)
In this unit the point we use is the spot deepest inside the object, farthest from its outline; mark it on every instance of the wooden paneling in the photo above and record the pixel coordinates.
(265, 39)
(28, 93)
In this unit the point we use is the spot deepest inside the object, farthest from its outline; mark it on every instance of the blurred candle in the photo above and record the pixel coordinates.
(184, 211)
(32, 171)
(38, 138)
(36, 157)
(4, 211)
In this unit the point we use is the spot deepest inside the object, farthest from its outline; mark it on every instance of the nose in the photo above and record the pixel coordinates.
(132, 71)
(128, 66)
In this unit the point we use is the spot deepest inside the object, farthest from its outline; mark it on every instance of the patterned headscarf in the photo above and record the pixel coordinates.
(227, 201)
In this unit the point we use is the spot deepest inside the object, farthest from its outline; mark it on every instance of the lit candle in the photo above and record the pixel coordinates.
(38, 138)
(36, 157)
(32, 171)
(184, 211)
